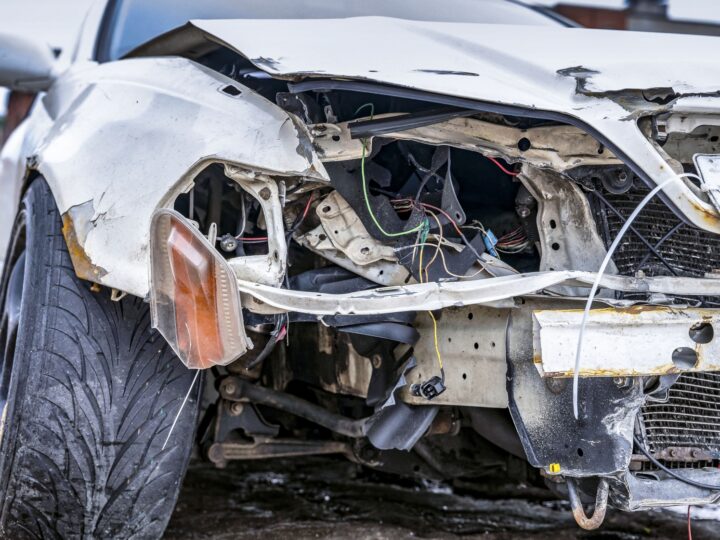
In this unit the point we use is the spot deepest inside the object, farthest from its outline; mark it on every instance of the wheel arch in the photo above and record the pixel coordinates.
(129, 136)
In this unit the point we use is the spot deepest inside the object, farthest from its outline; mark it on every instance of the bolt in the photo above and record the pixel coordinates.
(217, 456)
(236, 408)
(672, 452)
(523, 211)
(229, 388)
(369, 453)
(622, 382)
(265, 193)
(556, 386)
(376, 361)
(228, 243)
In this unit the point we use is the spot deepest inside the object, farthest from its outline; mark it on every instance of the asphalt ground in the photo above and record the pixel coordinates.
(335, 499)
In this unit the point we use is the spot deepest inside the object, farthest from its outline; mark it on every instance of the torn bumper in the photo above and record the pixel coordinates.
(621, 341)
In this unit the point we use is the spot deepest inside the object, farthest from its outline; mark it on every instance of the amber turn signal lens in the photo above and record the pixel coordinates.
(195, 303)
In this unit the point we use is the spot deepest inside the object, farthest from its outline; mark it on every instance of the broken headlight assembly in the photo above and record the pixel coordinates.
(194, 300)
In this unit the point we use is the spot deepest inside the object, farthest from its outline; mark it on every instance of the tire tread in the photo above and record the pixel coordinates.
(101, 390)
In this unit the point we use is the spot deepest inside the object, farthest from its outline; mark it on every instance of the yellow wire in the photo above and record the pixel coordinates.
(437, 249)
(442, 257)
(437, 344)
(435, 328)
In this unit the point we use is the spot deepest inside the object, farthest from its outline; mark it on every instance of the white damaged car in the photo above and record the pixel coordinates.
(446, 240)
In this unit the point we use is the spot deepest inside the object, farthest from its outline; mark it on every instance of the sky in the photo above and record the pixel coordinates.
(56, 22)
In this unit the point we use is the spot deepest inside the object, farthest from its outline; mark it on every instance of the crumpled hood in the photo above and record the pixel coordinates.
(538, 67)
(589, 78)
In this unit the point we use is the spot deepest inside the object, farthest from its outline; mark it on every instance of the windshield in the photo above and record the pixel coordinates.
(133, 22)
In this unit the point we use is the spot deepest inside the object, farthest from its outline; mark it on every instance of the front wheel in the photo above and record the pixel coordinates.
(88, 394)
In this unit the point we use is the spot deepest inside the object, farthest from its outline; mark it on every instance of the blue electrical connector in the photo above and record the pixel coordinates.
(490, 241)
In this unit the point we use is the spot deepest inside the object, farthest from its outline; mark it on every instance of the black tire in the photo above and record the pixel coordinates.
(89, 393)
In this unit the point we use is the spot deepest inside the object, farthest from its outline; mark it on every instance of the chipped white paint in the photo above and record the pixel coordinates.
(621, 343)
(130, 135)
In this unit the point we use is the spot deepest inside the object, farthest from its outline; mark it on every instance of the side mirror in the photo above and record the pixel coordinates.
(24, 64)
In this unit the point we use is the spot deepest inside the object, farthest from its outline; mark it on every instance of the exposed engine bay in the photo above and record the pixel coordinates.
(405, 278)
(426, 194)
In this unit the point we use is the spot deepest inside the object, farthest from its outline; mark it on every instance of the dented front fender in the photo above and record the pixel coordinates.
(130, 136)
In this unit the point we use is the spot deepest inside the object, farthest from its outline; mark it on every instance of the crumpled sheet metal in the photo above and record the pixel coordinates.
(129, 136)
(432, 296)
(594, 76)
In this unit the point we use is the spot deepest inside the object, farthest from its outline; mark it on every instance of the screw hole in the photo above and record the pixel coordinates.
(476, 345)
(524, 144)
(326, 209)
(580, 452)
(702, 333)
(231, 90)
(553, 224)
(464, 375)
(555, 246)
(684, 358)
(336, 138)
(470, 316)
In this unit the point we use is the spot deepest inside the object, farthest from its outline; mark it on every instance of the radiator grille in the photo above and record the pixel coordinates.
(690, 417)
(685, 250)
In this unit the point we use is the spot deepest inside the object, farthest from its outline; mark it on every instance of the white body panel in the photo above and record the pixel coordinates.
(119, 140)
(125, 138)
(584, 74)
(623, 343)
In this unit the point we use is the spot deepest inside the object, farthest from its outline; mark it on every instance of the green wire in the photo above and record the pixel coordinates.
(425, 223)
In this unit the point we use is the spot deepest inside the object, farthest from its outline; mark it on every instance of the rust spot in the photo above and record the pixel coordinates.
(265, 193)
(637, 310)
(584, 372)
(84, 267)
(710, 218)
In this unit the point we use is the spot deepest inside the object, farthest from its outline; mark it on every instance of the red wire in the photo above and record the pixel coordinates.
(252, 238)
(444, 213)
(689, 525)
(502, 167)
(307, 207)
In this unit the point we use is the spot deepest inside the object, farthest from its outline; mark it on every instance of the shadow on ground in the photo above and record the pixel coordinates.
(332, 498)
